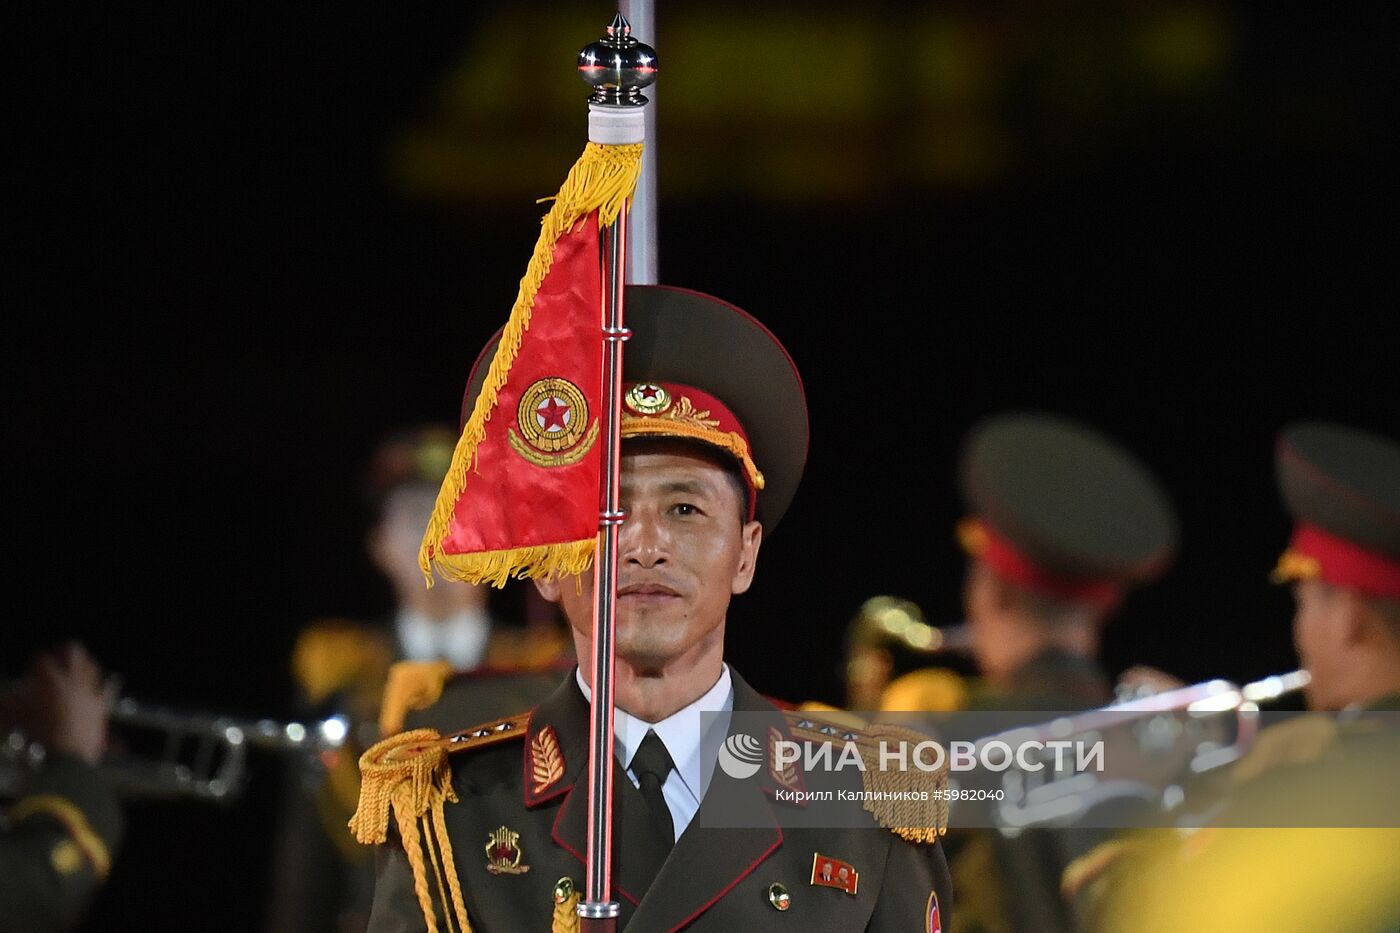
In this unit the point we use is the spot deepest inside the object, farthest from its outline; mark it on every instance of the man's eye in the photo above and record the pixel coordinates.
(685, 508)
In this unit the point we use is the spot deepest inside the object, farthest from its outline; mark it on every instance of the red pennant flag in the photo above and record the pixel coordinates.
(521, 498)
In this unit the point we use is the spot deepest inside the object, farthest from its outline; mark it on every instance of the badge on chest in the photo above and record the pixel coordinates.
(828, 872)
(503, 853)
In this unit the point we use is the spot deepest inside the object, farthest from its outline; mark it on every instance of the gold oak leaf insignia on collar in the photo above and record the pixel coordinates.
(546, 761)
(785, 776)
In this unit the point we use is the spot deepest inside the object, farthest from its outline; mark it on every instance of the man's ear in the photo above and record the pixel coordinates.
(548, 587)
(983, 590)
(750, 539)
(1355, 619)
(1003, 595)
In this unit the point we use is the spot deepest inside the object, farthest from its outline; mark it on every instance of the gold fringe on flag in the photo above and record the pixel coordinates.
(409, 774)
(602, 180)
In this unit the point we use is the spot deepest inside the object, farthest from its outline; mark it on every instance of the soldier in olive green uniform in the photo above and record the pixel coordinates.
(1342, 487)
(712, 454)
(1308, 837)
(323, 880)
(57, 840)
(1063, 523)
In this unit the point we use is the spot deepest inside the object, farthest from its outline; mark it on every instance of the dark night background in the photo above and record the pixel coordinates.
(245, 243)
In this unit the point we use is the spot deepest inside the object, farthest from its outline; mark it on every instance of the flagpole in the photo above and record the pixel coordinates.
(642, 262)
(618, 67)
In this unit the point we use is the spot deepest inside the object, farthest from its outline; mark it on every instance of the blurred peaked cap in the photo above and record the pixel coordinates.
(1344, 481)
(419, 454)
(689, 338)
(1068, 499)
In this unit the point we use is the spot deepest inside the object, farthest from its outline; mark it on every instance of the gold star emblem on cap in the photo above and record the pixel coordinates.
(647, 398)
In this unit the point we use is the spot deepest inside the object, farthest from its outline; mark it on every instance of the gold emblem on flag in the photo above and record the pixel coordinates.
(503, 853)
(553, 424)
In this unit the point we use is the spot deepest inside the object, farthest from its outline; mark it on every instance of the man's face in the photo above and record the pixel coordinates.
(683, 552)
(986, 622)
(395, 540)
(1319, 636)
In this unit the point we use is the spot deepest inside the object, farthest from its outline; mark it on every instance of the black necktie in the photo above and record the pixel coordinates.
(651, 764)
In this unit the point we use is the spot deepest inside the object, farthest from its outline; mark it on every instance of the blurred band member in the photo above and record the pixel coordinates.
(1062, 524)
(57, 840)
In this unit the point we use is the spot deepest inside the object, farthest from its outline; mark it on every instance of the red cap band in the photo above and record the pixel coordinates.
(669, 409)
(981, 540)
(1341, 562)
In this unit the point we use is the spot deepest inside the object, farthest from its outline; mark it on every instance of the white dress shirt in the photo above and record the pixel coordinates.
(691, 738)
(460, 638)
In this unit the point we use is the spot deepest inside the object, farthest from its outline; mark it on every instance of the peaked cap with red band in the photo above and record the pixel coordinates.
(1061, 510)
(1342, 487)
(700, 369)
(419, 455)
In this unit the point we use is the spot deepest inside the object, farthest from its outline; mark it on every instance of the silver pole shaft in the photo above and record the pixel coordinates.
(642, 265)
(600, 748)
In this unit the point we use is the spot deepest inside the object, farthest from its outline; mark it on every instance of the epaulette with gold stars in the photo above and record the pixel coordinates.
(489, 733)
(910, 802)
(409, 774)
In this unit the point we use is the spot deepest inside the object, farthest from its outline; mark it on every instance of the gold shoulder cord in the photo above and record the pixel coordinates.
(909, 802)
(87, 840)
(410, 774)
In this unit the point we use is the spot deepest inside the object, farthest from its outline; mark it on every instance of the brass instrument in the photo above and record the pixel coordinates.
(889, 619)
(165, 753)
(1159, 743)
(884, 624)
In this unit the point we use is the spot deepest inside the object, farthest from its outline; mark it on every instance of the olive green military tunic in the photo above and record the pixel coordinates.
(519, 827)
